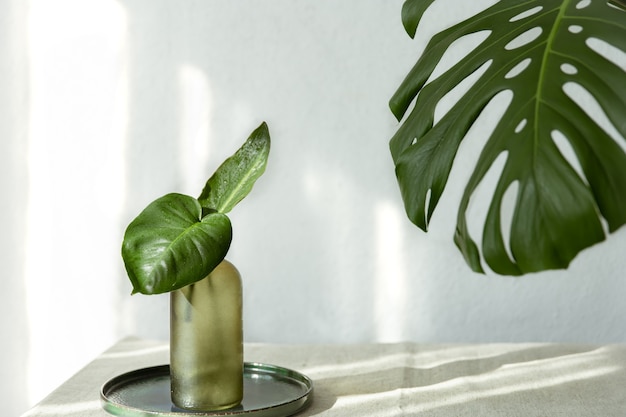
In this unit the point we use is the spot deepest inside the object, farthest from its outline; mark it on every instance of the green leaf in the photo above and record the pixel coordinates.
(412, 11)
(558, 211)
(234, 179)
(169, 245)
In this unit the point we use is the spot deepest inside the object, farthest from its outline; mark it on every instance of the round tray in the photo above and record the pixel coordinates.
(268, 391)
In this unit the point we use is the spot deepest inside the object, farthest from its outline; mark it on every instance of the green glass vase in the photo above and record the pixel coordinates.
(206, 342)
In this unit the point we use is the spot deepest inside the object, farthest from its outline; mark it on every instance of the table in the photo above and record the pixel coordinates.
(402, 379)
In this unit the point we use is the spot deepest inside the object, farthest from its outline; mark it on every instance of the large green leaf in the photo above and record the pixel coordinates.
(234, 179)
(169, 245)
(558, 211)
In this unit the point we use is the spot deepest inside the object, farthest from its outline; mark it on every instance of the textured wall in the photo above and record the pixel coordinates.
(121, 102)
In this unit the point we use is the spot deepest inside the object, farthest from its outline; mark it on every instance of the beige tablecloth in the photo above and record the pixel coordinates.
(404, 379)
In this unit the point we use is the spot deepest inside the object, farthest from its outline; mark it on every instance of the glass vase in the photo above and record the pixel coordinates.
(206, 342)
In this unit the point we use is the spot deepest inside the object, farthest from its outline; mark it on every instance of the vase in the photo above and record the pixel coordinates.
(206, 342)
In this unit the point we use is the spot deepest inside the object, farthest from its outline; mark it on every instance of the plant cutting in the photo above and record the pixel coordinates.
(565, 169)
(177, 245)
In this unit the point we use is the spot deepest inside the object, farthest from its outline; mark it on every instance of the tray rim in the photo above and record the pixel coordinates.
(299, 402)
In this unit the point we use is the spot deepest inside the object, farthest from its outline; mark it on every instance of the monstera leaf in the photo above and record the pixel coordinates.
(535, 49)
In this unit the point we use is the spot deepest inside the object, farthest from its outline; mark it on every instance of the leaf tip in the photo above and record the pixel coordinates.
(412, 11)
(469, 250)
(396, 109)
(263, 130)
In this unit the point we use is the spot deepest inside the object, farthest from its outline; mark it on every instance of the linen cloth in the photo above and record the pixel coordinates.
(402, 379)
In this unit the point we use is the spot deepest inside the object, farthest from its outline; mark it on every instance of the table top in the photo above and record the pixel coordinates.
(401, 379)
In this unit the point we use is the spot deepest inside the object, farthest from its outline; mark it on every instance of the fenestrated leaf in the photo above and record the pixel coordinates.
(169, 245)
(557, 212)
(234, 179)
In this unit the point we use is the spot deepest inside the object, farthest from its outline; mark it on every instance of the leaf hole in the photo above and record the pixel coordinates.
(414, 141)
(588, 103)
(458, 50)
(427, 205)
(575, 28)
(567, 151)
(526, 14)
(582, 4)
(468, 156)
(569, 69)
(521, 125)
(518, 69)
(507, 209)
(524, 39)
(452, 97)
(608, 51)
(482, 196)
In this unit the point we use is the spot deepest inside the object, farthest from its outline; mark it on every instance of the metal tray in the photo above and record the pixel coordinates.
(268, 391)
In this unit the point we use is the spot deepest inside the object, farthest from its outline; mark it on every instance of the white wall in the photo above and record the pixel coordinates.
(14, 337)
(111, 104)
